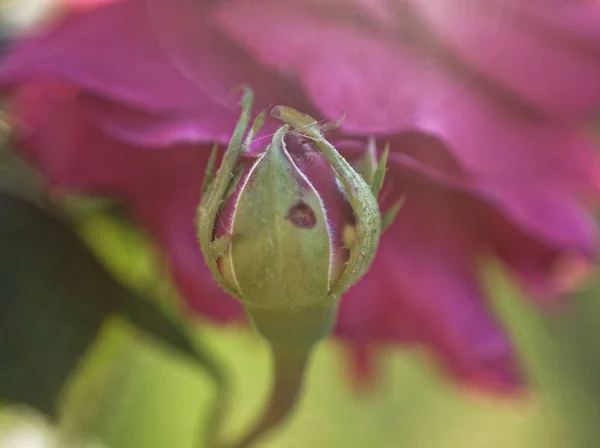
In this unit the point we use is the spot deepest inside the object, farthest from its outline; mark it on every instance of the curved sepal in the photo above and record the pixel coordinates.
(364, 204)
(213, 199)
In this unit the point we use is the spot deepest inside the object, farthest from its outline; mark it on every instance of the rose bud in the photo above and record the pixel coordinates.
(287, 231)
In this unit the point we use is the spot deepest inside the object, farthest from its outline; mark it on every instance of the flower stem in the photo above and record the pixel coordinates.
(292, 335)
(289, 365)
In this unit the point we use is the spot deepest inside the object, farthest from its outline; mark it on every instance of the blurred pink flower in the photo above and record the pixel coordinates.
(85, 3)
(484, 103)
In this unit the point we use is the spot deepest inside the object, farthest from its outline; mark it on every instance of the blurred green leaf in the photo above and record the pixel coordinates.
(54, 296)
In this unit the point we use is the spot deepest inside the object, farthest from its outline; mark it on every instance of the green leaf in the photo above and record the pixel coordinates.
(149, 318)
(54, 296)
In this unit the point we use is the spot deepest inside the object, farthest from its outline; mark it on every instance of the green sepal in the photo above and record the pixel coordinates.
(364, 204)
(389, 216)
(271, 243)
(220, 245)
(256, 125)
(209, 173)
(235, 177)
(238, 171)
(349, 236)
(379, 174)
(331, 125)
(367, 165)
(212, 202)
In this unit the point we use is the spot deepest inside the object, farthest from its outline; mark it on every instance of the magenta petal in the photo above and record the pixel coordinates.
(375, 79)
(422, 288)
(151, 104)
(547, 271)
(53, 141)
(169, 215)
(80, 51)
(536, 229)
(160, 187)
(551, 214)
(535, 169)
(382, 11)
(189, 35)
(547, 52)
(539, 197)
(504, 147)
(74, 154)
(208, 123)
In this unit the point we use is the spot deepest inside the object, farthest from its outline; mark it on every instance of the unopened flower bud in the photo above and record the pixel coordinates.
(290, 227)
(284, 224)
(287, 231)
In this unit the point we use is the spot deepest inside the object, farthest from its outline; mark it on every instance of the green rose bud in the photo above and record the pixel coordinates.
(287, 231)
(281, 250)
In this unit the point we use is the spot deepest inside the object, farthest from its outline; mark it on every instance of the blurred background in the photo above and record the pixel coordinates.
(132, 392)
(159, 402)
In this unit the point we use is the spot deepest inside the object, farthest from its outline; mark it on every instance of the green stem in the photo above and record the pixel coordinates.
(289, 365)
(292, 335)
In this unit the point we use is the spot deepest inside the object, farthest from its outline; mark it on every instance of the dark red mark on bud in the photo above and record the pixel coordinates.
(302, 215)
